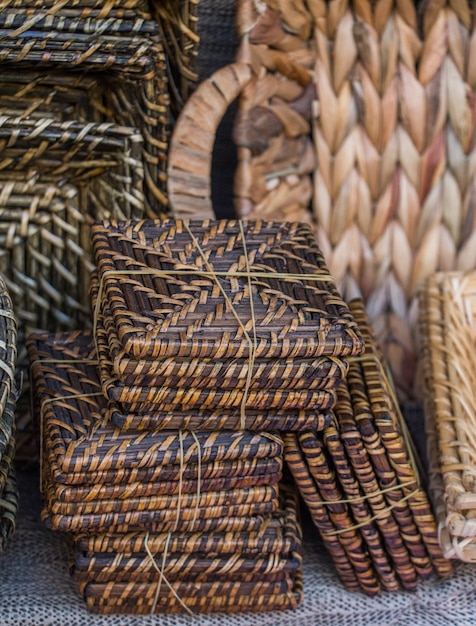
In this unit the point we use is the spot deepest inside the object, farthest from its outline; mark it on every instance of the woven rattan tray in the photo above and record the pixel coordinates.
(201, 500)
(280, 533)
(447, 317)
(205, 598)
(291, 373)
(383, 522)
(172, 314)
(120, 491)
(74, 426)
(321, 373)
(180, 568)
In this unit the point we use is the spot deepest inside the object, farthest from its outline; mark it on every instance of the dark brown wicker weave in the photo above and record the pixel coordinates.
(74, 427)
(9, 501)
(298, 373)
(359, 477)
(205, 598)
(120, 491)
(281, 533)
(125, 48)
(8, 359)
(172, 314)
(203, 501)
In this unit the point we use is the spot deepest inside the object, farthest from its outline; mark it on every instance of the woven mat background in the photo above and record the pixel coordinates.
(36, 590)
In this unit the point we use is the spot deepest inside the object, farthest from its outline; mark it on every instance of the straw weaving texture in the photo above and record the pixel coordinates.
(374, 103)
(448, 338)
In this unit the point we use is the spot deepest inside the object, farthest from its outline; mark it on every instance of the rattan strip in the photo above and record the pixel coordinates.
(178, 23)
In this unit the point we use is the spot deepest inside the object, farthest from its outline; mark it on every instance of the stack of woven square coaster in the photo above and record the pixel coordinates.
(208, 338)
(360, 481)
(8, 396)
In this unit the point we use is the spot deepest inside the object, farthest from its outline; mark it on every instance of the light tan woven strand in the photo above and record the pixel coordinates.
(162, 577)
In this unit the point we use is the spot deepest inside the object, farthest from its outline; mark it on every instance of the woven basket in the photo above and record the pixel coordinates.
(448, 306)
(8, 359)
(230, 598)
(124, 53)
(57, 178)
(344, 106)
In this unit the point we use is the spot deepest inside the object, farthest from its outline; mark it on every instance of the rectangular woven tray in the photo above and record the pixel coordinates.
(119, 491)
(319, 373)
(280, 533)
(169, 314)
(180, 568)
(78, 347)
(206, 598)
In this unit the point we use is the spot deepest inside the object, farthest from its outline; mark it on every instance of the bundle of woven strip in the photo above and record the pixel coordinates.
(160, 428)
(447, 324)
(8, 396)
(359, 478)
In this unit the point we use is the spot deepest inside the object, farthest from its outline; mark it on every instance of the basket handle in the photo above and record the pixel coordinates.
(191, 145)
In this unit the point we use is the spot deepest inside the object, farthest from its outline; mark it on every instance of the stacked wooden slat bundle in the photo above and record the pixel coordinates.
(8, 396)
(360, 482)
(448, 305)
(230, 330)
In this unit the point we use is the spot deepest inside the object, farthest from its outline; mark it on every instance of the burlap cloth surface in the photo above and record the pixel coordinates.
(36, 589)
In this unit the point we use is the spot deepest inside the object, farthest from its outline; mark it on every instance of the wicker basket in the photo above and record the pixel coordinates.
(124, 54)
(448, 306)
(343, 106)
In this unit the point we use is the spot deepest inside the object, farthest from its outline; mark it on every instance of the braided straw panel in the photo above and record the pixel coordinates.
(447, 323)
(392, 122)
